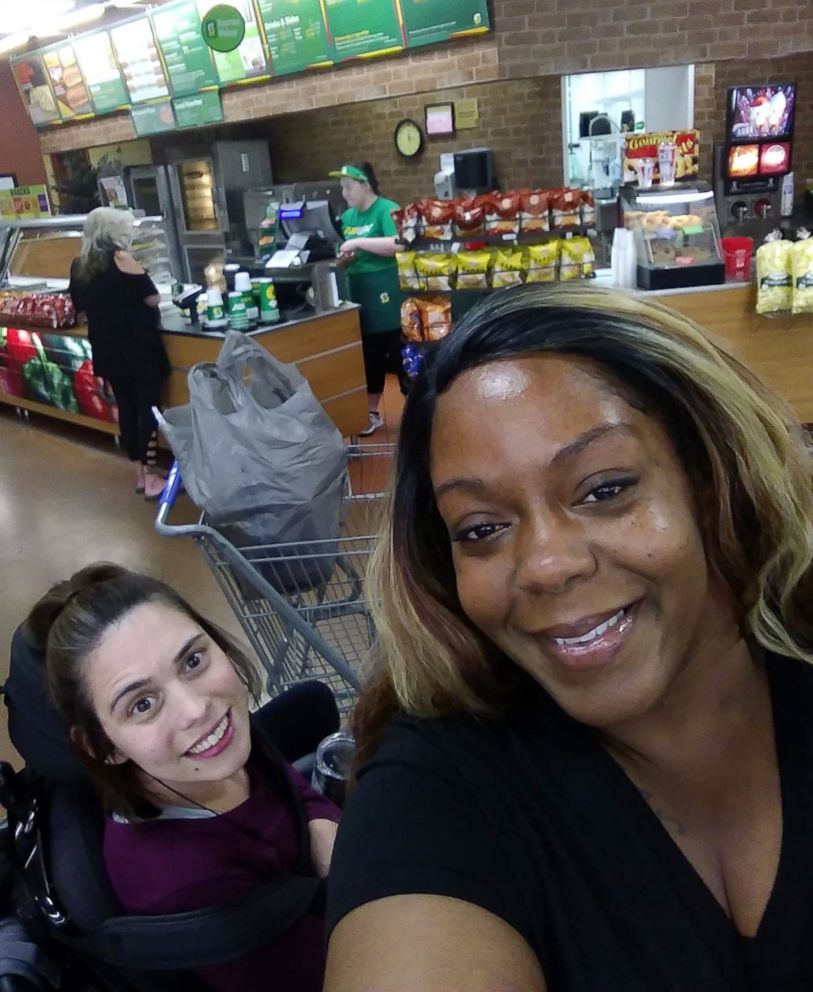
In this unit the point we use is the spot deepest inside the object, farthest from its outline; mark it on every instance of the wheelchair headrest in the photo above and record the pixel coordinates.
(35, 727)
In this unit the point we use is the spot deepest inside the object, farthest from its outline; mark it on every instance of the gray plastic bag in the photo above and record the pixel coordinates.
(259, 455)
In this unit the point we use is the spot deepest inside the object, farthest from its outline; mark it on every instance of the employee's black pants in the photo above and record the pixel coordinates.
(382, 354)
(136, 396)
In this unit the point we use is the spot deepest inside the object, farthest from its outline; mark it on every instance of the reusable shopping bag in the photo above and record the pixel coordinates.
(259, 455)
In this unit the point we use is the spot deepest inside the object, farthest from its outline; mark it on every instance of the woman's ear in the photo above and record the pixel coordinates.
(80, 740)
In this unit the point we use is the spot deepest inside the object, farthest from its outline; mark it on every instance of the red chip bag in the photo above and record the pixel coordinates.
(565, 208)
(436, 217)
(502, 212)
(469, 217)
(588, 208)
(534, 210)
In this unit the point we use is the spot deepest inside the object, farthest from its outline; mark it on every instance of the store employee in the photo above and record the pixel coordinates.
(368, 252)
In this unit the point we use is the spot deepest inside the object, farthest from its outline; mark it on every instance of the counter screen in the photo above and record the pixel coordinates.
(774, 158)
(761, 111)
(743, 161)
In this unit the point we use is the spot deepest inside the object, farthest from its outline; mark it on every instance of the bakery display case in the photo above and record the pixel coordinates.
(677, 235)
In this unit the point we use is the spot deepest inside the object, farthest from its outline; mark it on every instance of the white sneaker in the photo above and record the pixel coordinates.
(376, 423)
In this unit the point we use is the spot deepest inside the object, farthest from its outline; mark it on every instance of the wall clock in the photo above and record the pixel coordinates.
(408, 138)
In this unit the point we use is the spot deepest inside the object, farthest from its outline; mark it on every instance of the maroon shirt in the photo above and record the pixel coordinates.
(188, 859)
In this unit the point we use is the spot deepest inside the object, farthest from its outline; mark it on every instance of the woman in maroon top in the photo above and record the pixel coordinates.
(157, 699)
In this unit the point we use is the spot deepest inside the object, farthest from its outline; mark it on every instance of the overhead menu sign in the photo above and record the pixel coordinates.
(32, 80)
(247, 61)
(186, 54)
(152, 118)
(361, 28)
(72, 97)
(430, 21)
(137, 54)
(94, 53)
(296, 34)
(198, 110)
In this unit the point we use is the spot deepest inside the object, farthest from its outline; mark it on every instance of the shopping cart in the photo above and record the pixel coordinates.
(302, 605)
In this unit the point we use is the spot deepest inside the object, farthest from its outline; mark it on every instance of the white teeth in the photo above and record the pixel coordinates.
(215, 737)
(591, 635)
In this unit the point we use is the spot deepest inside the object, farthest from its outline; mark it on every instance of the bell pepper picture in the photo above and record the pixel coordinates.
(92, 399)
(17, 349)
(45, 382)
(65, 351)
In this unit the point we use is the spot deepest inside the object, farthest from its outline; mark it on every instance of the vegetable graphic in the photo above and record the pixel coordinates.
(17, 348)
(46, 382)
(91, 395)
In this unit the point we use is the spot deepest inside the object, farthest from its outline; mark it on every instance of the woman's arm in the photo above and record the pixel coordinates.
(322, 837)
(387, 247)
(127, 264)
(421, 943)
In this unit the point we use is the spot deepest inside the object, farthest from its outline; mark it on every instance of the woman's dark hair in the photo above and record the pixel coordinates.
(68, 623)
(740, 446)
(369, 172)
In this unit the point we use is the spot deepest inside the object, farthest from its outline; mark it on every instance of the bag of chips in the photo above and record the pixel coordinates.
(508, 267)
(502, 213)
(541, 261)
(774, 275)
(802, 268)
(436, 219)
(407, 276)
(411, 323)
(436, 270)
(577, 258)
(588, 208)
(407, 221)
(472, 269)
(534, 210)
(469, 217)
(565, 208)
(436, 317)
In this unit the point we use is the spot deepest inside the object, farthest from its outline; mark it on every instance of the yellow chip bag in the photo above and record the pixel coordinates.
(541, 262)
(802, 269)
(436, 270)
(577, 258)
(508, 266)
(407, 276)
(774, 277)
(472, 269)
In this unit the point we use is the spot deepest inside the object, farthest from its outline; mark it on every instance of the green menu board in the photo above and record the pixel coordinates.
(431, 21)
(296, 34)
(197, 110)
(152, 118)
(186, 54)
(247, 61)
(363, 27)
(94, 53)
(72, 97)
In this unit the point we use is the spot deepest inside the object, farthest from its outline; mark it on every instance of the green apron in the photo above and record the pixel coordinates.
(379, 296)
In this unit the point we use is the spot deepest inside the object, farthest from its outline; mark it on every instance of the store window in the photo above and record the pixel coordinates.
(599, 107)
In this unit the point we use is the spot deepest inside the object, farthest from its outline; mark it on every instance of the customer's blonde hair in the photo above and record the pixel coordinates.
(740, 446)
(105, 232)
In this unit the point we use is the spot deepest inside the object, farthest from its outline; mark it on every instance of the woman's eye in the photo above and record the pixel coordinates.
(142, 705)
(608, 490)
(479, 532)
(195, 660)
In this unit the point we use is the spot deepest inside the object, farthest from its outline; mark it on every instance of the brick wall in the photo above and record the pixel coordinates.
(519, 119)
(20, 151)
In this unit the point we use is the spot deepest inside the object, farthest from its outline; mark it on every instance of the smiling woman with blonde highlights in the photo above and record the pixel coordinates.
(586, 742)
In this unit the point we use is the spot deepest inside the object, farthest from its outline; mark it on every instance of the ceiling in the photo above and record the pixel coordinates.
(28, 24)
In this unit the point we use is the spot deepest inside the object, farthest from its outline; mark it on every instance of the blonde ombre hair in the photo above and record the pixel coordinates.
(742, 450)
(106, 231)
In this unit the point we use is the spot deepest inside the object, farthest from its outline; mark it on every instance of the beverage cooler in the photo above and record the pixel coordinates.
(199, 190)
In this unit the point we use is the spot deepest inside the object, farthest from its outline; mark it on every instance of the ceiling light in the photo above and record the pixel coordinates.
(31, 16)
(82, 15)
(14, 41)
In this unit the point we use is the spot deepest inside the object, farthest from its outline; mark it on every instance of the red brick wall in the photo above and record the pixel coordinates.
(20, 149)
(519, 119)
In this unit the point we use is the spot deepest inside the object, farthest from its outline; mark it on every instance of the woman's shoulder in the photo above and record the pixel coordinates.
(127, 265)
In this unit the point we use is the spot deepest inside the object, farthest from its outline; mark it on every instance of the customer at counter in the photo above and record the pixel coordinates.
(586, 747)
(121, 304)
(369, 252)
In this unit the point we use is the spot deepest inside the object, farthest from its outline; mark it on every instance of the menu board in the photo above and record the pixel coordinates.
(296, 34)
(72, 97)
(94, 53)
(32, 80)
(186, 55)
(430, 21)
(247, 61)
(140, 63)
(152, 118)
(197, 110)
(363, 27)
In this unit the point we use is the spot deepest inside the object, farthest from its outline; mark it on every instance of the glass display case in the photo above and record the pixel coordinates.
(677, 235)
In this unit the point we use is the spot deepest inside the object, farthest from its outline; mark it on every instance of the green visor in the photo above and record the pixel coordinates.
(350, 172)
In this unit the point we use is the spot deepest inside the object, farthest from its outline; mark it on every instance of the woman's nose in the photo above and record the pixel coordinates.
(190, 705)
(553, 554)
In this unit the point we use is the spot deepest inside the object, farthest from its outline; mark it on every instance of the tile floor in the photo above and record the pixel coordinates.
(67, 499)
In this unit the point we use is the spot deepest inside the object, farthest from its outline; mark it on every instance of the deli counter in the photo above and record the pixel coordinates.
(46, 367)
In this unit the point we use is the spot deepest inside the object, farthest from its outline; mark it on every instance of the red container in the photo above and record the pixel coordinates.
(737, 254)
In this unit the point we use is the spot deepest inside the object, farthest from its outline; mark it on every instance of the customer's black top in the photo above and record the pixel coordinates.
(123, 331)
(531, 819)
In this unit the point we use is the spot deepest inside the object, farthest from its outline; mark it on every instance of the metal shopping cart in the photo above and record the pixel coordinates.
(302, 605)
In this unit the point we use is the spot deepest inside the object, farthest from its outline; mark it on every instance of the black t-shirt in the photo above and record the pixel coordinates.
(124, 332)
(529, 818)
